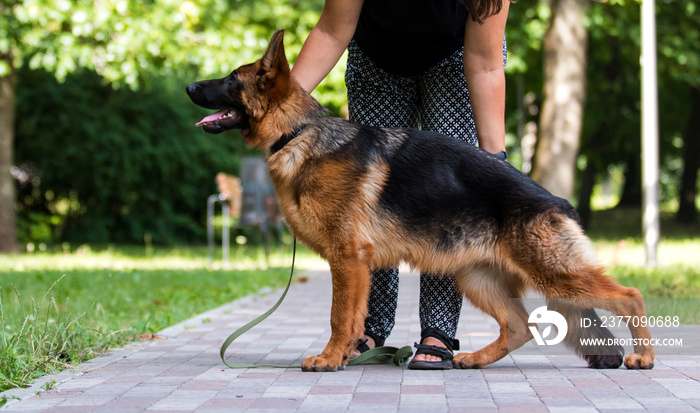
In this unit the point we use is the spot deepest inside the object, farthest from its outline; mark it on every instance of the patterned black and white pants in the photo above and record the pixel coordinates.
(437, 100)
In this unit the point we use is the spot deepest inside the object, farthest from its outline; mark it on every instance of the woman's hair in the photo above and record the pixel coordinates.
(479, 10)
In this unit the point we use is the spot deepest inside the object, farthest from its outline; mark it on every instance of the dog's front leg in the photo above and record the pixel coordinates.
(351, 281)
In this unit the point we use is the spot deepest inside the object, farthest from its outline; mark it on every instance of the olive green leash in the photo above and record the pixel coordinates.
(377, 355)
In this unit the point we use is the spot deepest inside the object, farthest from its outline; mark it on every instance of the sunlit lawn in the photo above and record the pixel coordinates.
(67, 306)
(620, 247)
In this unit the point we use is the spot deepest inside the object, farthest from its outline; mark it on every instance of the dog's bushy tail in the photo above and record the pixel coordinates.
(587, 338)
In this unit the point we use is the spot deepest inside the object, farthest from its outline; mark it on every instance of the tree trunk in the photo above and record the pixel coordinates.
(564, 98)
(632, 188)
(8, 237)
(687, 213)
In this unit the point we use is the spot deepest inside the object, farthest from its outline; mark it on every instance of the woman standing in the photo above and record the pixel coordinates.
(430, 64)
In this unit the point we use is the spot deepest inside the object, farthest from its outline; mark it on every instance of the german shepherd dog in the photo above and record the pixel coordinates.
(364, 198)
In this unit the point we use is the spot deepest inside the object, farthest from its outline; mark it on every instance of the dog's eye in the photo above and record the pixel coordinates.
(232, 81)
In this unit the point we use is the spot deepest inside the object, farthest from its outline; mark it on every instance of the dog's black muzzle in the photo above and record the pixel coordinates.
(211, 94)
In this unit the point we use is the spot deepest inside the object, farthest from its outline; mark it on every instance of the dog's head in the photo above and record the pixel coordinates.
(242, 98)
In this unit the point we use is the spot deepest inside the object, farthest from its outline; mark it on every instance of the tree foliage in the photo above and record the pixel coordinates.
(98, 161)
(612, 121)
(106, 149)
(612, 117)
(129, 42)
(113, 165)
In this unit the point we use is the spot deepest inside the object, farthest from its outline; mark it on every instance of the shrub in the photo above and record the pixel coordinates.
(99, 164)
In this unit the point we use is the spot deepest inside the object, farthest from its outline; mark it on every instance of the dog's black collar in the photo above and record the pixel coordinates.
(285, 139)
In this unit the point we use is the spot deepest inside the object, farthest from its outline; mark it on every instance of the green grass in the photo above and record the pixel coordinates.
(61, 308)
(673, 290)
(673, 287)
(620, 247)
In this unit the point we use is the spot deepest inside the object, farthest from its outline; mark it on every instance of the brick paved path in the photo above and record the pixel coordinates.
(184, 373)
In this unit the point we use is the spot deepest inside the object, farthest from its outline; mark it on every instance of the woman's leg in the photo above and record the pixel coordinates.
(378, 98)
(445, 108)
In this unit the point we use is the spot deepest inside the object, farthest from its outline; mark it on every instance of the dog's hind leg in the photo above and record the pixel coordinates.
(351, 282)
(560, 262)
(490, 291)
(597, 290)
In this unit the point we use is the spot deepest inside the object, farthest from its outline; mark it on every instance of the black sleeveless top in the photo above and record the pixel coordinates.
(406, 37)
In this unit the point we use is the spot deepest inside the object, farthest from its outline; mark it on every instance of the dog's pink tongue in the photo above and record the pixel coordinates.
(210, 118)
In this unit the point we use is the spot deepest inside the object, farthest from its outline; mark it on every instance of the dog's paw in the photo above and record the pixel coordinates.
(320, 363)
(637, 361)
(467, 361)
(611, 361)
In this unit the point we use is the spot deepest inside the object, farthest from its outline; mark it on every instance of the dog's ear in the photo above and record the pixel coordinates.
(275, 61)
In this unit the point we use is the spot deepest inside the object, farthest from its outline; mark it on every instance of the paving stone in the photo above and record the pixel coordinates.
(204, 385)
(332, 390)
(573, 403)
(557, 392)
(327, 401)
(454, 402)
(515, 398)
(130, 403)
(522, 408)
(665, 404)
(432, 401)
(378, 388)
(569, 409)
(681, 388)
(522, 387)
(373, 408)
(375, 398)
(616, 403)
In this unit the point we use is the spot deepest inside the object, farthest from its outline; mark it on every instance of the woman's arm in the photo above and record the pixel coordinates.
(483, 69)
(326, 42)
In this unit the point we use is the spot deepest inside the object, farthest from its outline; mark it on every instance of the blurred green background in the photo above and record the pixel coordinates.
(104, 144)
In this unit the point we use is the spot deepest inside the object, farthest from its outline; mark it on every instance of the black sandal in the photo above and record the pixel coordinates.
(362, 343)
(445, 353)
